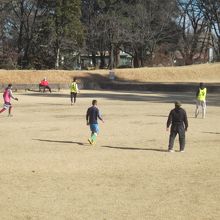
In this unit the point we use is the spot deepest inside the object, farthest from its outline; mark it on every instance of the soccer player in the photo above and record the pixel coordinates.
(92, 117)
(73, 91)
(179, 121)
(7, 95)
(201, 100)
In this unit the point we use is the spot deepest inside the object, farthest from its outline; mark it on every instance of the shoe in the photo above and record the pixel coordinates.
(171, 150)
(90, 141)
(182, 151)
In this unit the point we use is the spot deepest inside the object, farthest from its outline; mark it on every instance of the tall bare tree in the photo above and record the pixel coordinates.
(211, 10)
(194, 31)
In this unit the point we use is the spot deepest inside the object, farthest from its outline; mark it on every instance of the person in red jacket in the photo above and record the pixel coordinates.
(44, 85)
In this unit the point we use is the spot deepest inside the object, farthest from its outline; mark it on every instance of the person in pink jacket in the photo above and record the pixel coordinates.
(7, 95)
(44, 84)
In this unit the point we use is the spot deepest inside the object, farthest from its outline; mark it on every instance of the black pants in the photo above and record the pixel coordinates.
(73, 95)
(180, 130)
(44, 88)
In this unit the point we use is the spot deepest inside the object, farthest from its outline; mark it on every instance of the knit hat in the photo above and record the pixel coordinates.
(177, 103)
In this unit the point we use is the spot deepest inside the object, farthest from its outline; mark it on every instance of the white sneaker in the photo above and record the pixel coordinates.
(171, 150)
(182, 151)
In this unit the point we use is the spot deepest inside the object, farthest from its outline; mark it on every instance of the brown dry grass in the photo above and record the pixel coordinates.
(49, 172)
(195, 73)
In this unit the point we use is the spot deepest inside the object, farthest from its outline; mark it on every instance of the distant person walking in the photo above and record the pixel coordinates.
(179, 121)
(7, 95)
(201, 100)
(44, 85)
(73, 91)
(92, 117)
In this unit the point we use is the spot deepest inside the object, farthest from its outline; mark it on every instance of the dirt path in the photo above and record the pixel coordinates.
(48, 171)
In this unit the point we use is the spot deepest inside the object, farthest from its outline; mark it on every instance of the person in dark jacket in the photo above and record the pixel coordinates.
(179, 124)
(92, 117)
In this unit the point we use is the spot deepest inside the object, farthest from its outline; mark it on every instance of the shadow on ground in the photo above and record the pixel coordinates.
(184, 97)
(135, 148)
(210, 132)
(63, 142)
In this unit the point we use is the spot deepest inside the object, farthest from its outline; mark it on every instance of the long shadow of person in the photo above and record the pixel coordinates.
(135, 148)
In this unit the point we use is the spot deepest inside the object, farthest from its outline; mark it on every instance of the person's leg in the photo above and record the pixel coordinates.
(49, 88)
(181, 132)
(71, 97)
(9, 111)
(5, 107)
(75, 94)
(173, 134)
(197, 108)
(93, 136)
(2, 110)
(203, 109)
(94, 129)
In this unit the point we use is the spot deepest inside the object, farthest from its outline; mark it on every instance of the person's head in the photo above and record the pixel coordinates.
(94, 102)
(45, 78)
(177, 104)
(201, 85)
(74, 79)
(10, 86)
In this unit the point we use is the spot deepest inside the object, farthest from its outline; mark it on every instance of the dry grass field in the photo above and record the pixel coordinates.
(196, 73)
(48, 171)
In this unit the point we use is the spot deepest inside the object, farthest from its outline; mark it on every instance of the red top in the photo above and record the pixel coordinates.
(44, 83)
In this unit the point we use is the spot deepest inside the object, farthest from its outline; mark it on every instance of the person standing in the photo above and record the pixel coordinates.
(179, 124)
(44, 84)
(201, 100)
(7, 95)
(92, 117)
(73, 91)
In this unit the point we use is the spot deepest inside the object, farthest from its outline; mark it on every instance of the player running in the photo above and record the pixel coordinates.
(92, 116)
(7, 95)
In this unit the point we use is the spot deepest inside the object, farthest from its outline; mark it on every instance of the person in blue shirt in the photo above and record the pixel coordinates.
(92, 117)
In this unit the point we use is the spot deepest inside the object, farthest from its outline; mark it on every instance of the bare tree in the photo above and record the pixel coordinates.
(148, 24)
(211, 10)
(194, 31)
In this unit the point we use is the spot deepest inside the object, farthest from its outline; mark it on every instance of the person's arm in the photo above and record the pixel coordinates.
(197, 93)
(87, 117)
(169, 120)
(100, 117)
(77, 89)
(11, 95)
(185, 120)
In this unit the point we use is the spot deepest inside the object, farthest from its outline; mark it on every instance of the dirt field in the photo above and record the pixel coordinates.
(49, 172)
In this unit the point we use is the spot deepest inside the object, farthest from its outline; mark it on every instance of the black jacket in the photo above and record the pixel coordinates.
(177, 116)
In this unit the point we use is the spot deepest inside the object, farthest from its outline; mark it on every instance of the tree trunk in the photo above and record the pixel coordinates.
(57, 64)
(136, 60)
(218, 50)
(102, 59)
(94, 59)
(112, 65)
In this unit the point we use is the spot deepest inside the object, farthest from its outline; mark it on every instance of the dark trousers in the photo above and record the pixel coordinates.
(180, 130)
(73, 96)
(44, 88)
